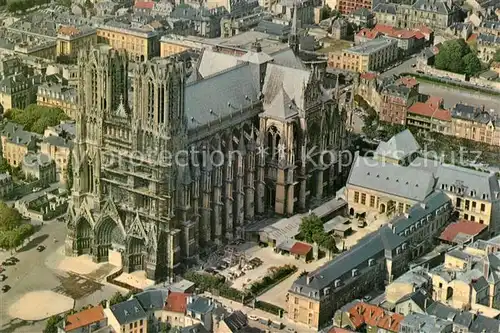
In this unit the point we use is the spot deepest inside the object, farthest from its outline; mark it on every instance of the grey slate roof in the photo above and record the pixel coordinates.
(220, 95)
(424, 324)
(392, 179)
(287, 58)
(236, 321)
(58, 141)
(211, 62)
(284, 85)
(151, 300)
(275, 29)
(475, 323)
(482, 185)
(399, 146)
(370, 246)
(472, 113)
(128, 311)
(372, 46)
(488, 39)
(433, 6)
(386, 8)
(421, 298)
(201, 305)
(420, 210)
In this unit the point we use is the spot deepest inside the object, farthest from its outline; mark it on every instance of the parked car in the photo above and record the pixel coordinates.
(367, 298)
(2, 269)
(8, 263)
(5, 288)
(253, 317)
(14, 259)
(40, 248)
(2, 277)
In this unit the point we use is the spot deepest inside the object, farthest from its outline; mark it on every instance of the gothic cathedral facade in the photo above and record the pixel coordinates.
(164, 168)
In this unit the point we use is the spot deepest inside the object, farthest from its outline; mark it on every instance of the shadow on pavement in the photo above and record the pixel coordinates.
(34, 243)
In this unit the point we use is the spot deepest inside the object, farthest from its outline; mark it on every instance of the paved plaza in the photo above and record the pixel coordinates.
(47, 283)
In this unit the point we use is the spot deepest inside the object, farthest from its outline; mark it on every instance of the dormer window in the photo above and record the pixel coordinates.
(404, 246)
(472, 193)
(337, 283)
(371, 262)
(354, 272)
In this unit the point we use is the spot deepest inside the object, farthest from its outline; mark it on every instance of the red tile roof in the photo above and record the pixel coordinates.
(68, 30)
(176, 302)
(462, 227)
(300, 249)
(367, 33)
(408, 81)
(368, 75)
(472, 38)
(363, 313)
(423, 29)
(144, 4)
(431, 108)
(383, 28)
(84, 318)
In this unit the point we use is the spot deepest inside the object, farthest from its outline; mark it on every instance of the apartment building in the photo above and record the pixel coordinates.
(72, 39)
(474, 123)
(396, 98)
(58, 95)
(127, 317)
(349, 6)
(140, 43)
(170, 46)
(430, 116)
(16, 143)
(59, 150)
(18, 91)
(314, 297)
(369, 56)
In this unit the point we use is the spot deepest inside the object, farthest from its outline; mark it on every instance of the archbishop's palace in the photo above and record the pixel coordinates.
(134, 206)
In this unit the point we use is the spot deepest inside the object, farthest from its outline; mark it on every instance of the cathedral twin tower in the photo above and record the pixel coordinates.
(135, 206)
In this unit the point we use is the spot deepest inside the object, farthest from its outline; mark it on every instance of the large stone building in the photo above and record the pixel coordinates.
(239, 137)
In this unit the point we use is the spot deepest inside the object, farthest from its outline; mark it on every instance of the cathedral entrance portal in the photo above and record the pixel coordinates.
(136, 252)
(83, 237)
(109, 237)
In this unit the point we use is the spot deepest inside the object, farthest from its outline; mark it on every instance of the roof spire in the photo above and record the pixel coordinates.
(293, 39)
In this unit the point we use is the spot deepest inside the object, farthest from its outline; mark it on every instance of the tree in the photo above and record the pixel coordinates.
(10, 218)
(36, 118)
(472, 64)
(310, 226)
(326, 12)
(51, 326)
(118, 297)
(457, 57)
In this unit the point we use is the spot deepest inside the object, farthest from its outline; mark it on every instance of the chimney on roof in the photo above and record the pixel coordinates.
(309, 279)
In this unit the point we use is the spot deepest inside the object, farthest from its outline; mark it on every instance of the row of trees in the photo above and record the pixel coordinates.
(36, 118)
(458, 57)
(13, 230)
(23, 5)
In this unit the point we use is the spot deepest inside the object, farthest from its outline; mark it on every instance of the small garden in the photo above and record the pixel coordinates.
(277, 274)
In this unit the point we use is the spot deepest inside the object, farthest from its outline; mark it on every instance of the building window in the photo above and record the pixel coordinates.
(372, 201)
(467, 204)
(363, 198)
(473, 205)
(481, 221)
(400, 207)
(407, 208)
(356, 197)
(483, 207)
(310, 305)
(473, 218)
(296, 300)
(466, 216)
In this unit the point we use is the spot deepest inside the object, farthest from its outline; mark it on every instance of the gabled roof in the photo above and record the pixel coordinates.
(128, 311)
(151, 299)
(399, 146)
(176, 302)
(367, 314)
(300, 249)
(410, 183)
(211, 62)
(236, 321)
(84, 318)
(291, 81)
(201, 305)
(431, 109)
